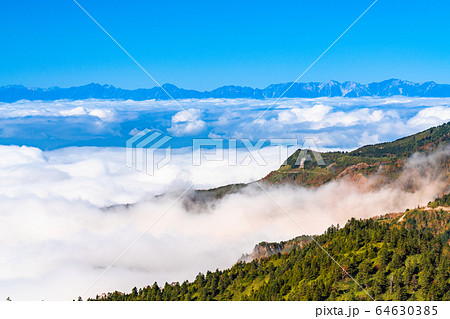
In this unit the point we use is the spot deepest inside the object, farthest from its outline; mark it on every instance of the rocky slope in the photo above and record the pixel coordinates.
(265, 249)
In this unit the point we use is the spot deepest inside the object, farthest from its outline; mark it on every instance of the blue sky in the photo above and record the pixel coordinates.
(206, 44)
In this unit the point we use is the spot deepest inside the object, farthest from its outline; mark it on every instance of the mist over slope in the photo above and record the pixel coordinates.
(56, 243)
(397, 256)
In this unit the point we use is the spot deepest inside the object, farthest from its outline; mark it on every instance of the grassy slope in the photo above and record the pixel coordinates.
(366, 160)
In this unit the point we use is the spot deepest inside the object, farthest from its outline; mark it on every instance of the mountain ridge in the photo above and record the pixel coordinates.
(385, 159)
(351, 89)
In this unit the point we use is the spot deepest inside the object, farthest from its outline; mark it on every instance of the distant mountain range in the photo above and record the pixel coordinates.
(392, 87)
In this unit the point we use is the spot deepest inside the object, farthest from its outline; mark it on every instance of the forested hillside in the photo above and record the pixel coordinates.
(393, 257)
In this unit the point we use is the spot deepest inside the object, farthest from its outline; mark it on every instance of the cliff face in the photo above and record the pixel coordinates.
(265, 249)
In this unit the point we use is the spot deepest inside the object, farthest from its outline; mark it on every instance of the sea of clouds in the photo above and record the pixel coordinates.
(333, 122)
(63, 218)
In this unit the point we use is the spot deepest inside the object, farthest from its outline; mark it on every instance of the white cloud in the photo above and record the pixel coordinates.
(105, 115)
(73, 112)
(358, 117)
(100, 177)
(431, 116)
(367, 139)
(298, 115)
(187, 122)
(187, 116)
